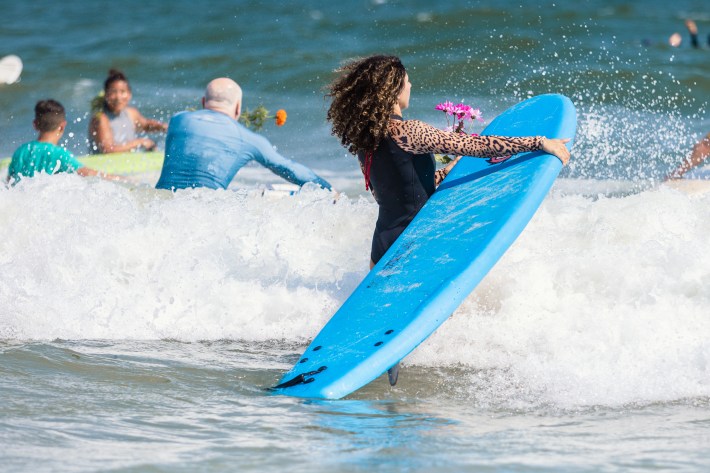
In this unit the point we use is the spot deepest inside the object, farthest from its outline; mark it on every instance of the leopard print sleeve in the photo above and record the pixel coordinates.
(439, 176)
(418, 137)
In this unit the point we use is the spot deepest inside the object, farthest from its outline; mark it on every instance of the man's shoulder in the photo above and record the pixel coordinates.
(39, 151)
(24, 147)
(201, 122)
(30, 147)
(50, 148)
(200, 115)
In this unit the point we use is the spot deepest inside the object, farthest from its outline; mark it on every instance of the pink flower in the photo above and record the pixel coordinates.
(462, 112)
(447, 107)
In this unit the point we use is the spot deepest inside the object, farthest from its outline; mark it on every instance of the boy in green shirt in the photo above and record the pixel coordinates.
(43, 154)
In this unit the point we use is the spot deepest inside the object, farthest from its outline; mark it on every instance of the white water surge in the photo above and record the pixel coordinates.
(600, 301)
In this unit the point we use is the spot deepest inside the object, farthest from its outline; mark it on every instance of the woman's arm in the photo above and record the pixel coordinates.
(146, 124)
(418, 137)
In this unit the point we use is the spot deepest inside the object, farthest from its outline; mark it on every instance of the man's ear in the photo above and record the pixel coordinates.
(62, 126)
(203, 102)
(34, 124)
(238, 111)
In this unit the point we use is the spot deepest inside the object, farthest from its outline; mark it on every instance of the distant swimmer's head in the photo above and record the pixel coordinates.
(49, 116)
(223, 95)
(117, 91)
(675, 40)
(371, 89)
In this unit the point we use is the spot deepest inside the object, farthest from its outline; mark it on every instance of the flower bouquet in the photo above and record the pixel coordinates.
(255, 119)
(460, 114)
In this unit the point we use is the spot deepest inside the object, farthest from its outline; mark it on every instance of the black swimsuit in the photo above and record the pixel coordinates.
(402, 182)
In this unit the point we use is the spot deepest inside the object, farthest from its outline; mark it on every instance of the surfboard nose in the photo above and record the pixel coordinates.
(10, 69)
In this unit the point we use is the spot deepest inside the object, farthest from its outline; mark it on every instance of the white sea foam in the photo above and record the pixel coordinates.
(601, 300)
(90, 259)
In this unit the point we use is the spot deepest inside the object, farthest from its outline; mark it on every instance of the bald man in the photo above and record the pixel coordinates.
(208, 147)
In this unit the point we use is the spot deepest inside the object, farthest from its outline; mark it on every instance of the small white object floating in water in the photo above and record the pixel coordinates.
(10, 69)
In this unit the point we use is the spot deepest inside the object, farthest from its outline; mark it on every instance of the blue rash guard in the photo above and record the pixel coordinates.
(207, 148)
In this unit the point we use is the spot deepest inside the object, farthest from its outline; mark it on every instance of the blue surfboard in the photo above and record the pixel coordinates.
(456, 238)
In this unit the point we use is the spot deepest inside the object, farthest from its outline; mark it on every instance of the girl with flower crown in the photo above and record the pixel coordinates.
(396, 155)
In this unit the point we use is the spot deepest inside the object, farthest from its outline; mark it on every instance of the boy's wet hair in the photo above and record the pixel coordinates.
(114, 75)
(49, 114)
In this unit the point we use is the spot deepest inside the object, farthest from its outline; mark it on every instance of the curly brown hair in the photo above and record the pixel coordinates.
(362, 100)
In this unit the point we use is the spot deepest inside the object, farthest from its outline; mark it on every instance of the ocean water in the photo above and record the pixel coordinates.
(140, 329)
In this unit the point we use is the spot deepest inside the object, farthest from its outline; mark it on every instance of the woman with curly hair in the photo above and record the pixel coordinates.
(396, 155)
